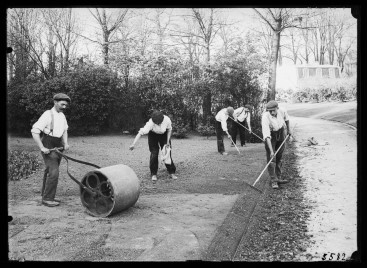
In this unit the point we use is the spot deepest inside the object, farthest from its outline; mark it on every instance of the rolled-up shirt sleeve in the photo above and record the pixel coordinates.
(169, 124)
(286, 116)
(41, 124)
(223, 121)
(224, 125)
(66, 126)
(265, 127)
(148, 127)
(249, 120)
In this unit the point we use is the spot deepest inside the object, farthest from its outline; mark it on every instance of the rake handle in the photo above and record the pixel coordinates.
(270, 160)
(235, 145)
(246, 128)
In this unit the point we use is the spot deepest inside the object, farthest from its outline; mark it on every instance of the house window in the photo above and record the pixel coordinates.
(337, 73)
(312, 72)
(325, 72)
(300, 73)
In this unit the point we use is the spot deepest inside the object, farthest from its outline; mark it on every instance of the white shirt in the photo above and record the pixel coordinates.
(222, 118)
(44, 123)
(241, 114)
(159, 129)
(270, 123)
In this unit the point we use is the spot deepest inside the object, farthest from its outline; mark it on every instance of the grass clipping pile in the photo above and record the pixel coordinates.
(278, 229)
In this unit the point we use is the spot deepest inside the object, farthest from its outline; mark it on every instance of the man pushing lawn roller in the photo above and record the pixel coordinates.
(54, 126)
(275, 127)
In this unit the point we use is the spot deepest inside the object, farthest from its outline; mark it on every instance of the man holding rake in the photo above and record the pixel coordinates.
(221, 126)
(275, 127)
(240, 115)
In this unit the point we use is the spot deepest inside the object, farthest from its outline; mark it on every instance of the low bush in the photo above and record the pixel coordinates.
(21, 165)
(206, 130)
(342, 89)
(180, 131)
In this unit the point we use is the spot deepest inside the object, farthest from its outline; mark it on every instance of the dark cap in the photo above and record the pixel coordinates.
(230, 110)
(271, 105)
(248, 106)
(62, 96)
(157, 117)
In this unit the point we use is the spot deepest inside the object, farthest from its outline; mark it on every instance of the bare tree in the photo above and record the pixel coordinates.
(25, 33)
(208, 25)
(278, 19)
(161, 20)
(108, 25)
(294, 45)
(63, 24)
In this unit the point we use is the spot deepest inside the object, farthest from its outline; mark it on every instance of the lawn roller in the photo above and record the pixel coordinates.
(108, 190)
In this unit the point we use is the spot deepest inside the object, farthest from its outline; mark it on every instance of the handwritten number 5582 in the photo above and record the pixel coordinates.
(333, 256)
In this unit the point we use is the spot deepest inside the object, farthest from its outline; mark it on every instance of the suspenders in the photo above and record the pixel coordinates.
(52, 123)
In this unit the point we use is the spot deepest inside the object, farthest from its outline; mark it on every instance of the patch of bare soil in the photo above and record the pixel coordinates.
(173, 220)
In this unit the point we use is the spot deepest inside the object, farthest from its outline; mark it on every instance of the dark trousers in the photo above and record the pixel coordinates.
(219, 131)
(235, 127)
(275, 167)
(51, 172)
(156, 141)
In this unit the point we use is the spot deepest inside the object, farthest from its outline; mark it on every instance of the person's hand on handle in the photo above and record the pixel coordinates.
(45, 150)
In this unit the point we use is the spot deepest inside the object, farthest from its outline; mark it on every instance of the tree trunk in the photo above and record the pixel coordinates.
(207, 99)
(274, 60)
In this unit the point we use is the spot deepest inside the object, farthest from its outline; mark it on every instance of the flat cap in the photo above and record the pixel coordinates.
(271, 105)
(248, 106)
(62, 96)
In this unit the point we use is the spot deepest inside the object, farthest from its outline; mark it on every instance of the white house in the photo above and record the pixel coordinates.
(296, 76)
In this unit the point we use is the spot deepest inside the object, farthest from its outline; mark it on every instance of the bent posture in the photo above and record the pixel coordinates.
(159, 130)
(54, 126)
(240, 115)
(275, 127)
(221, 126)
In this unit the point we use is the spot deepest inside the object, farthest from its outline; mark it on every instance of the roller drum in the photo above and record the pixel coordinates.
(117, 188)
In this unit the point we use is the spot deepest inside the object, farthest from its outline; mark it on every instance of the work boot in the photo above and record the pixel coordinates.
(274, 185)
(50, 203)
(173, 176)
(154, 178)
(224, 153)
(279, 180)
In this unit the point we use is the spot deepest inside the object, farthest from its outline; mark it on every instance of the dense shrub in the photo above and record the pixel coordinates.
(206, 130)
(105, 100)
(93, 95)
(180, 131)
(21, 164)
